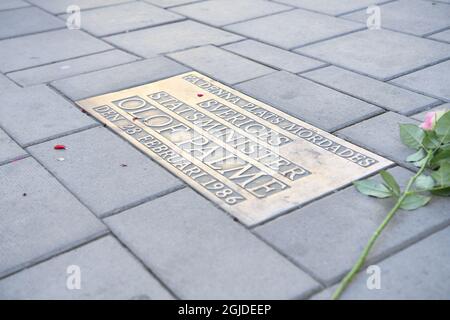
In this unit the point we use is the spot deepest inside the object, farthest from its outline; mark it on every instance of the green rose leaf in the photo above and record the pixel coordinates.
(420, 163)
(444, 192)
(442, 128)
(391, 183)
(372, 188)
(440, 156)
(411, 135)
(419, 155)
(414, 201)
(431, 140)
(442, 176)
(424, 182)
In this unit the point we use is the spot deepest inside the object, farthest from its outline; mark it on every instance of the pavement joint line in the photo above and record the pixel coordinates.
(409, 113)
(379, 79)
(364, 8)
(382, 257)
(314, 69)
(434, 32)
(28, 34)
(184, 4)
(50, 255)
(259, 17)
(48, 83)
(86, 9)
(331, 130)
(58, 61)
(12, 9)
(261, 62)
(2, 163)
(148, 269)
(142, 201)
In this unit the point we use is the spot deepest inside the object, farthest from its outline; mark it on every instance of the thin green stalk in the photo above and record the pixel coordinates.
(362, 258)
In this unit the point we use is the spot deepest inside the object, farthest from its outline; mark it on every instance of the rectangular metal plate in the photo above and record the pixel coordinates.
(251, 159)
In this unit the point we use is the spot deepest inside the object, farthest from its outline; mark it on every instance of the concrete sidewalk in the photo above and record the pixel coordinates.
(134, 230)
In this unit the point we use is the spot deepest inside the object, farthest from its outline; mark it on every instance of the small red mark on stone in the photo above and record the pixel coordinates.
(59, 147)
(135, 118)
(199, 95)
(84, 111)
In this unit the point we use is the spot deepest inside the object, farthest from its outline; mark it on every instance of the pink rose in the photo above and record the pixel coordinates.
(430, 120)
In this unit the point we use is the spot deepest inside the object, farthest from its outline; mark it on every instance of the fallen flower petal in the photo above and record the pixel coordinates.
(59, 147)
(199, 95)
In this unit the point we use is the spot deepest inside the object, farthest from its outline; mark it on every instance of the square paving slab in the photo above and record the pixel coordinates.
(108, 271)
(42, 48)
(201, 253)
(294, 28)
(125, 17)
(97, 166)
(172, 37)
(35, 114)
(223, 65)
(251, 159)
(373, 91)
(273, 56)
(420, 272)
(381, 54)
(39, 217)
(417, 17)
(222, 12)
(434, 81)
(18, 22)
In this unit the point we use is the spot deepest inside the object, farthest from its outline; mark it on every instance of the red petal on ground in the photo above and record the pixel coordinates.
(60, 147)
(199, 95)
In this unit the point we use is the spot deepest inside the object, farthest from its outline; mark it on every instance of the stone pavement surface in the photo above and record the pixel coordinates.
(138, 232)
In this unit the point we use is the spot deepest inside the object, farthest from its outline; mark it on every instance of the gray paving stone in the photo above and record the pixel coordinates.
(441, 36)
(223, 12)
(6, 84)
(433, 81)
(124, 17)
(201, 253)
(220, 64)
(93, 170)
(39, 217)
(417, 17)
(108, 271)
(120, 77)
(273, 56)
(373, 91)
(419, 272)
(35, 114)
(308, 101)
(421, 116)
(381, 135)
(12, 4)
(27, 20)
(382, 54)
(60, 6)
(294, 28)
(172, 37)
(169, 3)
(69, 68)
(42, 48)
(327, 236)
(9, 150)
(333, 7)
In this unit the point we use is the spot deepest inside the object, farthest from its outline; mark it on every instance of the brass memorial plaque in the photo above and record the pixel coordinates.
(249, 158)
